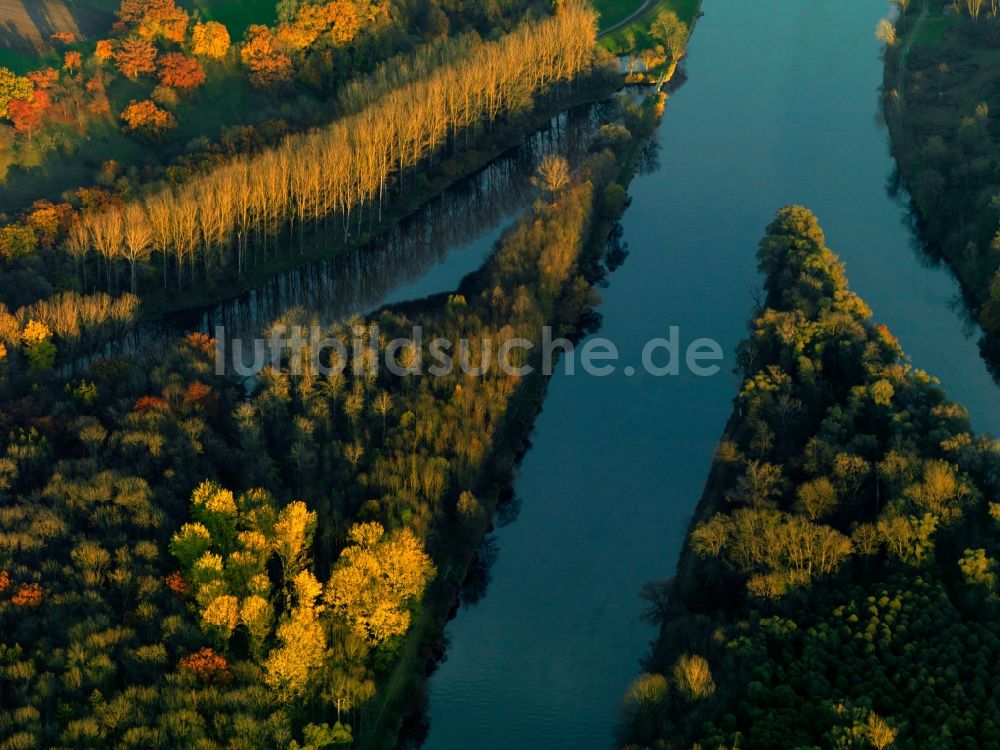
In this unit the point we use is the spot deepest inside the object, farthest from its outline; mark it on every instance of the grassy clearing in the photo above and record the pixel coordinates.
(105, 6)
(930, 30)
(636, 37)
(20, 62)
(226, 99)
(237, 15)
(615, 11)
(933, 31)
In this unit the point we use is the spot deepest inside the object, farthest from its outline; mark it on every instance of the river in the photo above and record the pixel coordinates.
(781, 106)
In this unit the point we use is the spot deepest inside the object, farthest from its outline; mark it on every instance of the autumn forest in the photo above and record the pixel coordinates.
(342, 546)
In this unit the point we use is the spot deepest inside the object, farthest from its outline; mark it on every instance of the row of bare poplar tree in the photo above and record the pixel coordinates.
(231, 217)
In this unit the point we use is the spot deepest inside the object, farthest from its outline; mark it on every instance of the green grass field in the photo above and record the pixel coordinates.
(107, 6)
(932, 31)
(226, 99)
(615, 11)
(237, 15)
(635, 36)
(20, 62)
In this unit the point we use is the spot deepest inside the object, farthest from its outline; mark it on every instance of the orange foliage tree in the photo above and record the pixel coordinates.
(104, 51)
(43, 78)
(27, 595)
(99, 103)
(206, 665)
(50, 221)
(73, 61)
(131, 12)
(154, 19)
(180, 71)
(29, 114)
(135, 56)
(145, 118)
(267, 66)
(338, 20)
(197, 392)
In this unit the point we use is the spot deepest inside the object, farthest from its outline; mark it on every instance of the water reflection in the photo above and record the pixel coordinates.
(649, 159)
(617, 464)
(477, 578)
(364, 279)
(962, 304)
(427, 253)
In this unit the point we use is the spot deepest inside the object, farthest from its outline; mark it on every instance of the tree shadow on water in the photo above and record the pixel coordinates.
(989, 348)
(649, 159)
(616, 251)
(478, 577)
(508, 508)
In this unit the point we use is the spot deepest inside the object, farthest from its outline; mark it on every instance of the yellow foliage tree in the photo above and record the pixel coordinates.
(211, 40)
(302, 651)
(214, 498)
(35, 332)
(880, 733)
(293, 535)
(223, 614)
(302, 639)
(256, 614)
(375, 579)
(693, 676)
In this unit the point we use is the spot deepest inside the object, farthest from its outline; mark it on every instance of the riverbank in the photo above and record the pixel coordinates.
(540, 663)
(399, 712)
(632, 33)
(940, 104)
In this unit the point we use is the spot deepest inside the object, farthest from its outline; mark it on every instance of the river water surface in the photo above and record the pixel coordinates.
(781, 106)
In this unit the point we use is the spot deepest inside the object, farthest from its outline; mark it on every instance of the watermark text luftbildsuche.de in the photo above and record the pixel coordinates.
(367, 350)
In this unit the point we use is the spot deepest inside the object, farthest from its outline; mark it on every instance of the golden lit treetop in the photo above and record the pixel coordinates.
(214, 498)
(36, 332)
(375, 579)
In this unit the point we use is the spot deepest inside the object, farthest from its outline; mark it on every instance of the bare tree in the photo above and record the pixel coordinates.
(394, 120)
(553, 174)
(137, 236)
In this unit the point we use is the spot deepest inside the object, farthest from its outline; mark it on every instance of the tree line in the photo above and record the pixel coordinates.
(233, 216)
(168, 54)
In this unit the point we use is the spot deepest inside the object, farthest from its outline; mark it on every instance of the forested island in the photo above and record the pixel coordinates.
(838, 586)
